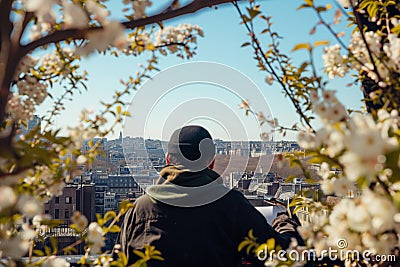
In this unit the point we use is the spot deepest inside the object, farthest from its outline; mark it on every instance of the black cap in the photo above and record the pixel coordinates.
(192, 145)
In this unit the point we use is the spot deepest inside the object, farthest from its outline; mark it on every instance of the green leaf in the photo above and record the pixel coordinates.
(123, 258)
(320, 9)
(109, 215)
(114, 229)
(253, 12)
(251, 235)
(156, 257)
(319, 43)
(75, 228)
(301, 46)
(38, 252)
(119, 108)
(271, 244)
(139, 253)
(100, 220)
(242, 245)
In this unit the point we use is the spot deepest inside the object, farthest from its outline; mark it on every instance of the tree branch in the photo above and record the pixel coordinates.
(80, 33)
(259, 51)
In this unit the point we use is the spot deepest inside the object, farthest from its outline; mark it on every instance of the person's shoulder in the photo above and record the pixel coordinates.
(143, 201)
(235, 195)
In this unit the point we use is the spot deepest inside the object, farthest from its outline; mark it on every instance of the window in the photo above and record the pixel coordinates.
(56, 214)
(66, 214)
(46, 212)
(57, 200)
(68, 200)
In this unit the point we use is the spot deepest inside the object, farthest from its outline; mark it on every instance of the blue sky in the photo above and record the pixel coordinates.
(221, 44)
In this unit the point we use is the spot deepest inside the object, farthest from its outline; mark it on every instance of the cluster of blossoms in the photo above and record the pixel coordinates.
(173, 40)
(16, 244)
(20, 108)
(172, 37)
(327, 107)
(365, 223)
(52, 64)
(74, 15)
(358, 142)
(358, 147)
(139, 7)
(112, 34)
(24, 66)
(358, 58)
(31, 91)
(335, 64)
(33, 88)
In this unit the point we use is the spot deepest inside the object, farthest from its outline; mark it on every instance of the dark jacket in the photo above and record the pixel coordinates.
(205, 235)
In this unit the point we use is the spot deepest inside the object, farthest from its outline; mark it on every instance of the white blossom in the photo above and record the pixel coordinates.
(139, 8)
(327, 186)
(54, 261)
(335, 64)
(380, 245)
(79, 220)
(356, 166)
(359, 218)
(51, 63)
(29, 205)
(113, 34)
(324, 170)
(7, 197)
(37, 222)
(346, 3)
(330, 112)
(176, 35)
(307, 140)
(99, 12)
(381, 209)
(392, 50)
(342, 187)
(335, 143)
(269, 79)
(14, 247)
(81, 159)
(95, 237)
(55, 189)
(25, 65)
(74, 16)
(314, 97)
(244, 105)
(42, 8)
(20, 108)
(31, 87)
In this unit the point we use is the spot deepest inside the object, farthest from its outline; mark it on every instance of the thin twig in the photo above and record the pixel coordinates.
(259, 50)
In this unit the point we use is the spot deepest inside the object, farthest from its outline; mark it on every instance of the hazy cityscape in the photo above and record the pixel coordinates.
(125, 166)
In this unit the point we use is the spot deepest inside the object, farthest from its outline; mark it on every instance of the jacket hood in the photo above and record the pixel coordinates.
(180, 187)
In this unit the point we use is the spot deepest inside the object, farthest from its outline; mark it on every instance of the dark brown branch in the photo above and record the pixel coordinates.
(81, 33)
(361, 29)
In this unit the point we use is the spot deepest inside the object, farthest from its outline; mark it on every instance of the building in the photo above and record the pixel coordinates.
(110, 202)
(64, 206)
(87, 195)
(100, 180)
(121, 185)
